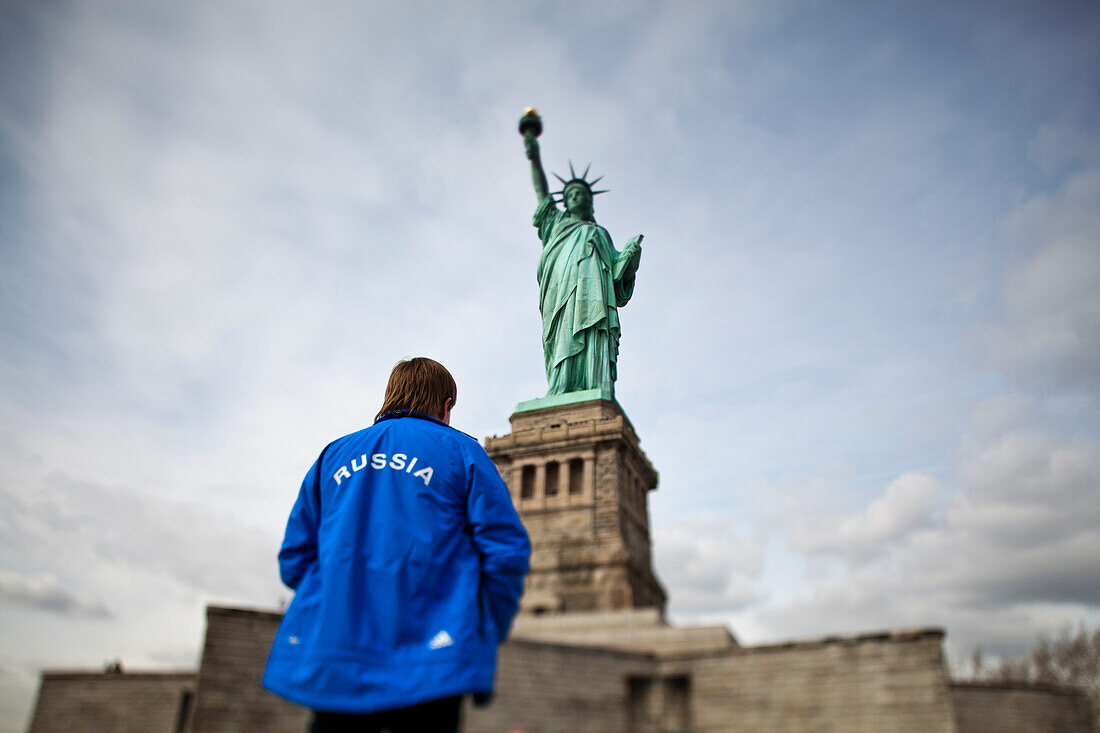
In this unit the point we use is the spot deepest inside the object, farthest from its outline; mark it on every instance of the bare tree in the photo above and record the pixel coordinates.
(1065, 659)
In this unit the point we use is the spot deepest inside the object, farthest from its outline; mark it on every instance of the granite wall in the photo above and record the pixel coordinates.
(229, 696)
(886, 683)
(669, 681)
(121, 702)
(1006, 708)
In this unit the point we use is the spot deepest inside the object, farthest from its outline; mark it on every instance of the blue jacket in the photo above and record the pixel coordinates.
(407, 560)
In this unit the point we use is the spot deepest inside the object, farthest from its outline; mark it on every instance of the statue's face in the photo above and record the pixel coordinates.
(578, 200)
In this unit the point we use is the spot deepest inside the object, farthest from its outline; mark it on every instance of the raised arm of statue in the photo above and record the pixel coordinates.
(530, 126)
(538, 175)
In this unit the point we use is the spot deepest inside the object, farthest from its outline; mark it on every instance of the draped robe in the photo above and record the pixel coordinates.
(583, 280)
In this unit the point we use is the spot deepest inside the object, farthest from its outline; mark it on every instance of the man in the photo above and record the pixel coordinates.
(407, 560)
(583, 280)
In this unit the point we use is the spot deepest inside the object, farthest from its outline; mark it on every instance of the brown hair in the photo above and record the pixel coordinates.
(420, 385)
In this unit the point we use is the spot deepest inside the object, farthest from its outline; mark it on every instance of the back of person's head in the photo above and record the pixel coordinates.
(419, 385)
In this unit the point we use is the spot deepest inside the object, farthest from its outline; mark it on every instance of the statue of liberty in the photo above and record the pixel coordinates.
(583, 279)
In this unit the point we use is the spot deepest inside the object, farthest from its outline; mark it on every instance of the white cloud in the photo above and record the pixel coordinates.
(1009, 547)
(905, 506)
(1052, 337)
(113, 538)
(46, 592)
(1055, 306)
(1027, 524)
(707, 565)
(1014, 552)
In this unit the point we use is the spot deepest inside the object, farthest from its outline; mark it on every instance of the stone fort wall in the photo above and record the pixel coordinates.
(229, 694)
(883, 683)
(114, 701)
(992, 707)
(891, 683)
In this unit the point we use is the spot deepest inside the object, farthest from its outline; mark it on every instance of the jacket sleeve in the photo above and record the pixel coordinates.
(501, 542)
(299, 550)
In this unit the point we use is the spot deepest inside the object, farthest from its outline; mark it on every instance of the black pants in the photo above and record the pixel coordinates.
(434, 716)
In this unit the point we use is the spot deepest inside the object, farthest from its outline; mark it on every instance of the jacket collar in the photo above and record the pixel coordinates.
(408, 413)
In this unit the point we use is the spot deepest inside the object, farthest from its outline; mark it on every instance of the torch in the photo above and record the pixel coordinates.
(530, 123)
(530, 126)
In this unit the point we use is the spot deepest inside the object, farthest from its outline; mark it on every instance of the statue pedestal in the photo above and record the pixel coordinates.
(580, 483)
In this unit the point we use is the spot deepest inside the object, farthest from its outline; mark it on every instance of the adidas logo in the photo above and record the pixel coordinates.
(440, 640)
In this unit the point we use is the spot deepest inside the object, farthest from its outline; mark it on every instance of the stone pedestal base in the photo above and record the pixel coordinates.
(580, 483)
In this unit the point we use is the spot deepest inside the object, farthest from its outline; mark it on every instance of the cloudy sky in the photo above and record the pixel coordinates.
(863, 351)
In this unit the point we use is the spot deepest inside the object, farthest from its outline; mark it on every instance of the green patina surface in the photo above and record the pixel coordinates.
(583, 281)
(565, 399)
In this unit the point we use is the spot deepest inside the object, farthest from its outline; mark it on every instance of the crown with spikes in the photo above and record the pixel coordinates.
(582, 179)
